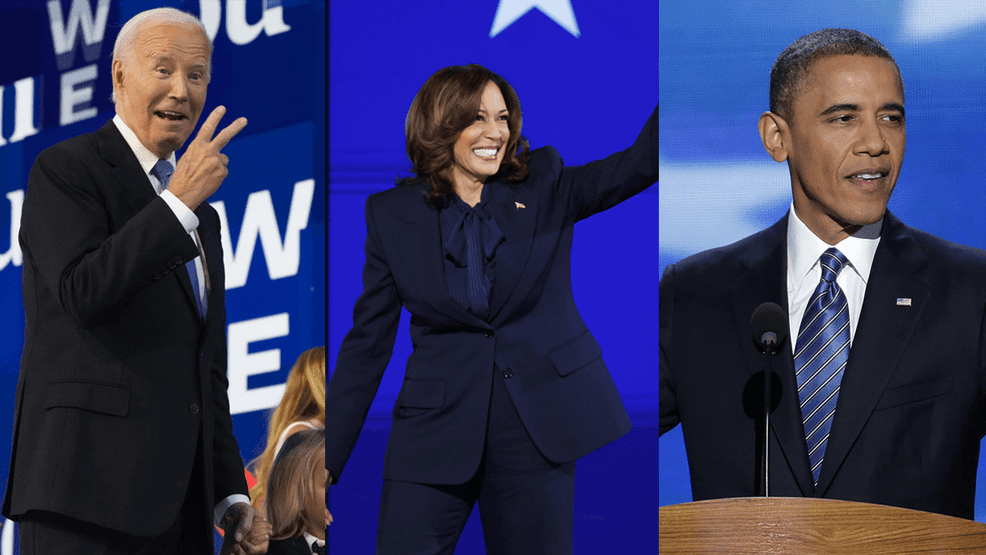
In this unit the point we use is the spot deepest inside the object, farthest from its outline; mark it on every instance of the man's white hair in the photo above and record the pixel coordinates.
(123, 48)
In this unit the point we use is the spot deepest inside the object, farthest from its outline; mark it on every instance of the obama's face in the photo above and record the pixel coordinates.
(844, 142)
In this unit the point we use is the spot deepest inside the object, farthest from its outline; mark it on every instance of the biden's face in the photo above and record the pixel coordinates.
(161, 87)
(844, 143)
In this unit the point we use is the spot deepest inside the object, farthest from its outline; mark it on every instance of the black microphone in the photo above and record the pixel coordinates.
(768, 326)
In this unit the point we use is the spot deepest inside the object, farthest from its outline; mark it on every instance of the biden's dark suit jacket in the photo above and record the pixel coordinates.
(120, 379)
(534, 336)
(911, 409)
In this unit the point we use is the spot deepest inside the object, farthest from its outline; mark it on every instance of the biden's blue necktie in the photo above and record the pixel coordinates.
(162, 171)
(821, 355)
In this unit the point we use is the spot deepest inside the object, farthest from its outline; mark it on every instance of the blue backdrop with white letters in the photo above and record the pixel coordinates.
(719, 185)
(269, 66)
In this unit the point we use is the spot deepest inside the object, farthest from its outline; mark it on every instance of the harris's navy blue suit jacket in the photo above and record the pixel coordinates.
(534, 335)
(911, 409)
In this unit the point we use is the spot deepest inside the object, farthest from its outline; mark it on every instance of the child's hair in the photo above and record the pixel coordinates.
(291, 484)
(304, 398)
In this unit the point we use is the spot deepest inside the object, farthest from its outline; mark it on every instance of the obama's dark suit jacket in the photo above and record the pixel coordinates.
(911, 409)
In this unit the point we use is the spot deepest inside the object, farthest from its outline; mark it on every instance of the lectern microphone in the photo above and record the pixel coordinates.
(769, 326)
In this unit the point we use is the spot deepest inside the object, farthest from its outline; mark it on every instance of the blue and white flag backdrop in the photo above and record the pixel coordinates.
(269, 66)
(718, 184)
(586, 74)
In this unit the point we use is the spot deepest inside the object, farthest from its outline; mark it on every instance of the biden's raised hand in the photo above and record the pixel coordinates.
(203, 167)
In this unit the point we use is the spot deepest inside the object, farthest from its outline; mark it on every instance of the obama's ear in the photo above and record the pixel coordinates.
(775, 134)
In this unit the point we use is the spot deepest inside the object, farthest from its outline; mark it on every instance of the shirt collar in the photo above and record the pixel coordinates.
(310, 538)
(145, 157)
(804, 249)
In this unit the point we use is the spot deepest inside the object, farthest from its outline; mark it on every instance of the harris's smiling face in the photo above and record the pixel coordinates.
(478, 152)
(844, 142)
(161, 87)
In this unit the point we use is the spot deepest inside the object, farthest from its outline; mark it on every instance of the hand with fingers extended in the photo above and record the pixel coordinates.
(202, 168)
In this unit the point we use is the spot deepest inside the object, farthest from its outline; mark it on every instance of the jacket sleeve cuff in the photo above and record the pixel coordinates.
(185, 216)
(226, 504)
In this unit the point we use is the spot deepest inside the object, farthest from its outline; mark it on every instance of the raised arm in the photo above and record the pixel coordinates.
(603, 184)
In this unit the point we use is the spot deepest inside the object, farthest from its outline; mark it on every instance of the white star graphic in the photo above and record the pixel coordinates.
(560, 11)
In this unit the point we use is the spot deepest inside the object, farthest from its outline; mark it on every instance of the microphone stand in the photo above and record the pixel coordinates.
(769, 341)
(769, 328)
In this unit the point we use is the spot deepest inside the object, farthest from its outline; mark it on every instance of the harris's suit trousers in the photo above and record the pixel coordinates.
(526, 502)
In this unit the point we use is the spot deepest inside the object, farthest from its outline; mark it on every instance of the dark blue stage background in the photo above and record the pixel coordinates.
(268, 65)
(719, 185)
(586, 74)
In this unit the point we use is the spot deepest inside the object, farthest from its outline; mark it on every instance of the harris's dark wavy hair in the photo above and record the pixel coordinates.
(445, 106)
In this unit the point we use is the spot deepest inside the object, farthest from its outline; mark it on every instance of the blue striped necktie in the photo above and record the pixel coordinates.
(162, 171)
(821, 356)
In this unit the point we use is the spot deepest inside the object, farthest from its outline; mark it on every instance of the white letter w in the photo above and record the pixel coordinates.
(64, 36)
(260, 220)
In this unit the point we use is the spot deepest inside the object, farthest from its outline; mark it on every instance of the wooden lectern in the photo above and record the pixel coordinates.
(767, 525)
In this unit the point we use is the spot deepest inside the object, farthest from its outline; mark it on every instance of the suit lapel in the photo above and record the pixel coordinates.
(418, 238)
(766, 281)
(419, 241)
(126, 169)
(113, 148)
(516, 215)
(884, 330)
(181, 272)
(212, 252)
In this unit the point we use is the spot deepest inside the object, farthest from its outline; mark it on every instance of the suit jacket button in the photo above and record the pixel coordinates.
(193, 408)
(508, 372)
(489, 335)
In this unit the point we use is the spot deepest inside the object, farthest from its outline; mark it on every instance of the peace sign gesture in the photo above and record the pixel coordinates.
(203, 167)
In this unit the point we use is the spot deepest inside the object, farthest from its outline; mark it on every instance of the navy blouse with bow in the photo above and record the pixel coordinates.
(469, 239)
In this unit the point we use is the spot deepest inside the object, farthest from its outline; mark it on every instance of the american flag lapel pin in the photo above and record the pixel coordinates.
(519, 205)
(903, 301)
